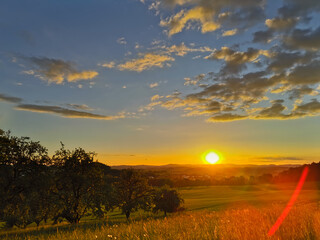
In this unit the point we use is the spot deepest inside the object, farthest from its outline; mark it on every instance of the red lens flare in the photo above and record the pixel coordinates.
(290, 203)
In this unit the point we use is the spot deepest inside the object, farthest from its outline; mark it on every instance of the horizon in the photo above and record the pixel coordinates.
(159, 82)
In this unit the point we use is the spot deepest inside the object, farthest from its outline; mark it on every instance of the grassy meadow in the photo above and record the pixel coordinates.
(215, 212)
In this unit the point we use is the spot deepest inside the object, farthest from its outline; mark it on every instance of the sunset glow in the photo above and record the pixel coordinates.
(204, 111)
(159, 82)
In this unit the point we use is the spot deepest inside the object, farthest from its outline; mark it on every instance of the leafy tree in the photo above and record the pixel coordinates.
(166, 200)
(133, 192)
(79, 184)
(21, 162)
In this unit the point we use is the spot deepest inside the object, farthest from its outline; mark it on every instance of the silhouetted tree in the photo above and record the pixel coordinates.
(21, 162)
(133, 192)
(79, 184)
(166, 200)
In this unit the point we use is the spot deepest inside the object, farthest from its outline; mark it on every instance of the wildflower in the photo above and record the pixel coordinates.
(109, 236)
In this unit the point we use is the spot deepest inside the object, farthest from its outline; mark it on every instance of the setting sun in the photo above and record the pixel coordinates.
(212, 157)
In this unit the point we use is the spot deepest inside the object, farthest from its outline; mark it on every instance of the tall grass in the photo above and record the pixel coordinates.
(246, 223)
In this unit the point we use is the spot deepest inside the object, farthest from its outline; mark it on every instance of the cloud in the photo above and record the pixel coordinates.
(229, 33)
(295, 8)
(283, 61)
(298, 93)
(305, 74)
(226, 117)
(79, 107)
(281, 23)
(110, 64)
(235, 60)
(72, 110)
(145, 62)
(181, 49)
(242, 18)
(229, 98)
(10, 99)
(306, 39)
(263, 36)
(274, 112)
(178, 22)
(310, 108)
(122, 41)
(56, 70)
(156, 97)
(64, 112)
(159, 55)
(210, 15)
(76, 76)
(235, 57)
(195, 81)
(153, 85)
(275, 82)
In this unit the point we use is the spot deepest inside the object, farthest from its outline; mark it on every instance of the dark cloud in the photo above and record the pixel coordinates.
(306, 39)
(305, 74)
(78, 106)
(282, 61)
(298, 93)
(10, 99)
(275, 111)
(242, 18)
(225, 117)
(80, 112)
(263, 36)
(281, 23)
(296, 8)
(236, 60)
(310, 108)
(64, 112)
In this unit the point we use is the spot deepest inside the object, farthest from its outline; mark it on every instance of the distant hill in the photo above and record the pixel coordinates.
(218, 170)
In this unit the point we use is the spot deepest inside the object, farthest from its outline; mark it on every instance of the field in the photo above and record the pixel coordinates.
(216, 212)
(224, 197)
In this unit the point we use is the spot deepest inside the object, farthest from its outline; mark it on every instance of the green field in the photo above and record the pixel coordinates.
(197, 200)
(223, 197)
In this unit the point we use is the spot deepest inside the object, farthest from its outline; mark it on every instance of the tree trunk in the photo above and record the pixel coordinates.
(127, 214)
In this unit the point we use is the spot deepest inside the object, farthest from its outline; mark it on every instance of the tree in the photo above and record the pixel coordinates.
(22, 161)
(79, 184)
(166, 200)
(133, 192)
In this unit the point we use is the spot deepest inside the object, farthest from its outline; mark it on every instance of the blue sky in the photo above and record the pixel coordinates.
(162, 81)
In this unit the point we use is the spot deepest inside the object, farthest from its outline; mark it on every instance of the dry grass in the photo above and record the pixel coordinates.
(246, 223)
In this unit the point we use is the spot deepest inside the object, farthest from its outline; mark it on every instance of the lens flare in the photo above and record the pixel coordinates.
(290, 203)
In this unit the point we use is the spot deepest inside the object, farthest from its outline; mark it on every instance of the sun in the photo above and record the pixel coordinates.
(212, 157)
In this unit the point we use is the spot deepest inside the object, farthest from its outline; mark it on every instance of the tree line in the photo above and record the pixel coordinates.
(291, 175)
(36, 188)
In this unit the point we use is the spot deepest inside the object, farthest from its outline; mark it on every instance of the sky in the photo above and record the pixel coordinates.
(163, 81)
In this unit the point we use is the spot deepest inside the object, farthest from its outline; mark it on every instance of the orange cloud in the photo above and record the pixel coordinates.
(147, 61)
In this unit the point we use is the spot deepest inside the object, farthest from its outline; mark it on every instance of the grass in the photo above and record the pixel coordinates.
(216, 212)
(225, 197)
